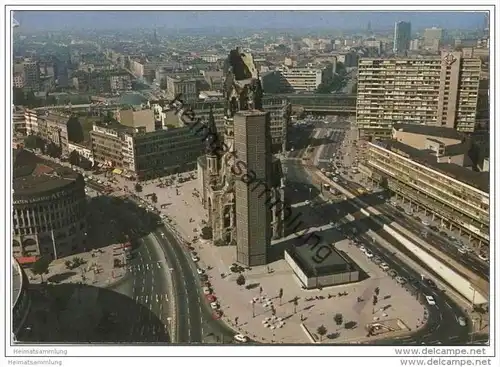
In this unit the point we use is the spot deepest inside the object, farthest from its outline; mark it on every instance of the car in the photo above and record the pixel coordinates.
(384, 266)
(203, 277)
(466, 248)
(214, 305)
(401, 280)
(394, 203)
(462, 321)
(430, 300)
(377, 260)
(462, 250)
(393, 273)
(206, 290)
(211, 298)
(426, 223)
(483, 257)
(307, 202)
(200, 271)
(368, 254)
(430, 283)
(361, 248)
(195, 258)
(217, 314)
(240, 338)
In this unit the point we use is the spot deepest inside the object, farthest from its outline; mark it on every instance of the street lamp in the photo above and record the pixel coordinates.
(253, 307)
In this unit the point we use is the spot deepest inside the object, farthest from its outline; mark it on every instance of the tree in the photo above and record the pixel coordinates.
(85, 163)
(41, 266)
(34, 142)
(339, 319)
(154, 198)
(53, 150)
(321, 330)
(68, 264)
(295, 304)
(74, 158)
(138, 187)
(75, 130)
(377, 291)
(240, 280)
(206, 233)
(280, 294)
(375, 299)
(273, 310)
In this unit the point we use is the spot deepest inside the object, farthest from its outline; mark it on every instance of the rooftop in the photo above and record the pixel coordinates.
(436, 131)
(335, 263)
(32, 174)
(478, 180)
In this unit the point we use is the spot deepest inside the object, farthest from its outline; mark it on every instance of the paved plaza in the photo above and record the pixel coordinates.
(97, 269)
(250, 310)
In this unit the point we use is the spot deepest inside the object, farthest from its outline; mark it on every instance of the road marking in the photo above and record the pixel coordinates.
(159, 266)
(142, 289)
(150, 306)
(166, 297)
(137, 298)
(157, 298)
(453, 337)
(447, 304)
(146, 300)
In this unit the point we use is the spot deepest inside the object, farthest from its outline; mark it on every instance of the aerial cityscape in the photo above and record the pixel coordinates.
(250, 178)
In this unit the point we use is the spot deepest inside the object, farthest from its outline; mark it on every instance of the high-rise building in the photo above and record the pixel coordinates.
(437, 91)
(253, 213)
(432, 39)
(402, 37)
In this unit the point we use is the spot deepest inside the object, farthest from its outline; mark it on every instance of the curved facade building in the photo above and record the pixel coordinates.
(48, 208)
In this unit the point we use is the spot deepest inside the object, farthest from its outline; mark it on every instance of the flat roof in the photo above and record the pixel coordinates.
(35, 175)
(478, 180)
(436, 131)
(335, 263)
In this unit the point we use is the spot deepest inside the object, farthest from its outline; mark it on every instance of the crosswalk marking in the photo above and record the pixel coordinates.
(150, 298)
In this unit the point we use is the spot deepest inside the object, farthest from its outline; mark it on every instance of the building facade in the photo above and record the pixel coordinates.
(437, 91)
(53, 128)
(433, 180)
(402, 37)
(49, 208)
(303, 79)
(187, 87)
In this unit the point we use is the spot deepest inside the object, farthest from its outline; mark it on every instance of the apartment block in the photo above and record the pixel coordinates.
(304, 79)
(145, 154)
(437, 91)
(427, 167)
(53, 127)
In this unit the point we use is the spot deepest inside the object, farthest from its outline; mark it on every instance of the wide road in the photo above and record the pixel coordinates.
(446, 311)
(432, 237)
(145, 283)
(195, 317)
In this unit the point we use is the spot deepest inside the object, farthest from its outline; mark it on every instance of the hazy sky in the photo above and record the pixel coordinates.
(55, 20)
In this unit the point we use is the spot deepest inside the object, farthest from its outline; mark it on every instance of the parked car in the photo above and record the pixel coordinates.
(195, 258)
(214, 305)
(393, 273)
(483, 257)
(200, 271)
(462, 250)
(241, 338)
(377, 260)
(430, 300)
(462, 321)
(206, 290)
(368, 254)
(425, 223)
(401, 280)
(384, 266)
(217, 314)
(361, 248)
(211, 298)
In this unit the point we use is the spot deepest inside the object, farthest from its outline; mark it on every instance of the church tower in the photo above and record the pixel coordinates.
(212, 146)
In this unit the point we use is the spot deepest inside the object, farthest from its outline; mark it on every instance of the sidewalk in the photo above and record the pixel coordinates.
(97, 270)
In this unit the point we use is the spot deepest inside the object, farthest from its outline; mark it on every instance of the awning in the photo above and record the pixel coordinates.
(27, 260)
(117, 171)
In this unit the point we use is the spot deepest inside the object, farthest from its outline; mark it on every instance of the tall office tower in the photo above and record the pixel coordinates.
(437, 91)
(432, 39)
(402, 37)
(252, 141)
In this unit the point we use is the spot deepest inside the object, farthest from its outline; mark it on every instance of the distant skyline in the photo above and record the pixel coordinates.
(336, 20)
